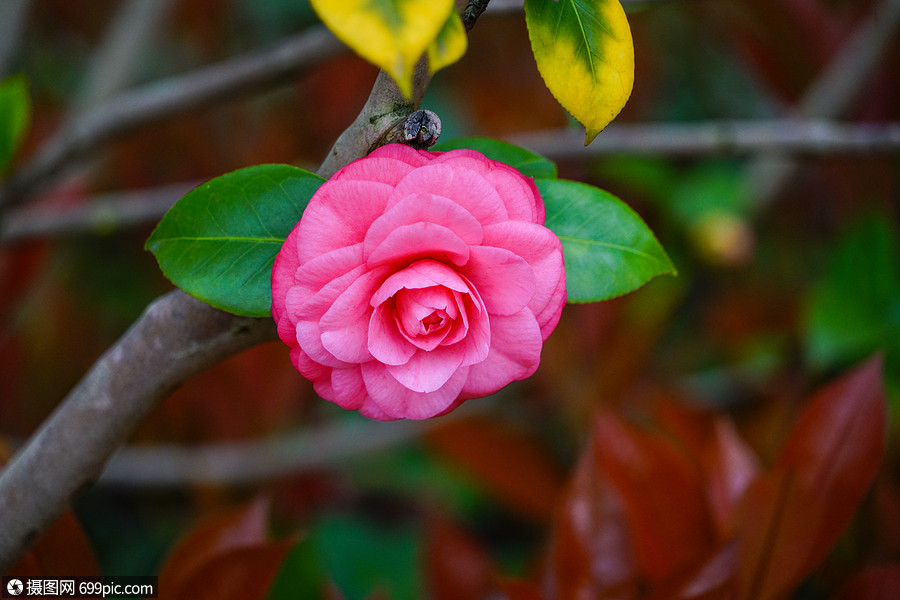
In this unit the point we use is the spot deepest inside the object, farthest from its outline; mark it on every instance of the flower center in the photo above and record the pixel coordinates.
(431, 320)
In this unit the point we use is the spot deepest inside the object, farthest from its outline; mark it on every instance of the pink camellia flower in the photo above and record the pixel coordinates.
(416, 280)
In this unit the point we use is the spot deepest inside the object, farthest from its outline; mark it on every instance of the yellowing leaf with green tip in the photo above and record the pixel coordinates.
(584, 52)
(393, 34)
(450, 44)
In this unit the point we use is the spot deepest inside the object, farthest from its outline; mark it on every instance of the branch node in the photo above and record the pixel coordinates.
(420, 130)
(472, 11)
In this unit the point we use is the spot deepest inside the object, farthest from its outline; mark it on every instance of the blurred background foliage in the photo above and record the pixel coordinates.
(775, 295)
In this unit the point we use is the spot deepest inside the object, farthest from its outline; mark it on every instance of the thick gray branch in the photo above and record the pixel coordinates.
(385, 109)
(176, 338)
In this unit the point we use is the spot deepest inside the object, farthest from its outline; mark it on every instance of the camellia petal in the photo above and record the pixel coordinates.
(465, 187)
(336, 217)
(425, 208)
(419, 240)
(504, 280)
(428, 371)
(540, 248)
(515, 353)
(345, 325)
(399, 402)
(385, 341)
(421, 274)
(403, 293)
(348, 387)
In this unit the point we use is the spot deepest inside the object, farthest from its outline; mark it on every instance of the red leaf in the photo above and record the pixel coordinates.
(62, 550)
(590, 553)
(663, 495)
(727, 463)
(730, 467)
(792, 516)
(242, 573)
(217, 534)
(508, 463)
(520, 590)
(710, 579)
(456, 566)
(874, 583)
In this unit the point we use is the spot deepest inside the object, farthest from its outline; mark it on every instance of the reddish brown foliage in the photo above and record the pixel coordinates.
(225, 556)
(683, 511)
(506, 462)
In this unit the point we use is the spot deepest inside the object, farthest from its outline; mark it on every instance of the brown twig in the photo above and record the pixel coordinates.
(102, 214)
(251, 462)
(473, 10)
(785, 136)
(385, 109)
(150, 103)
(829, 96)
(13, 14)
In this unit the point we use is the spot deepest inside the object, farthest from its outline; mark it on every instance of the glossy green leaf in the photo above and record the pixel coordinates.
(15, 113)
(854, 311)
(219, 241)
(364, 556)
(526, 161)
(450, 44)
(585, 54)
(392, 34)
(301, 575)
(608, 249)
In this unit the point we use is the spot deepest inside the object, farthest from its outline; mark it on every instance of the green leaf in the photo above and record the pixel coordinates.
(15, 113)
(450, 44)
(364, 556)
(392, 34)
(585, 54)
(219, 241)
(608, 249)
(526, 161)
(855, 308)
(301, 575)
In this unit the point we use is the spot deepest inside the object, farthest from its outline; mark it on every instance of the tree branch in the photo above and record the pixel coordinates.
(385, 109)
(131, 31)
(13, 14)
(109, 212)
(251, 462)
(473, 10)
(102, 214)
(788, 136)
(829, 96)
(159, 100)
(176, 338)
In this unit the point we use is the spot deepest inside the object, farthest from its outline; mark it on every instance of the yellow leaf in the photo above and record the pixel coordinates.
(585, 54)
(393, 34)
(450, 44)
